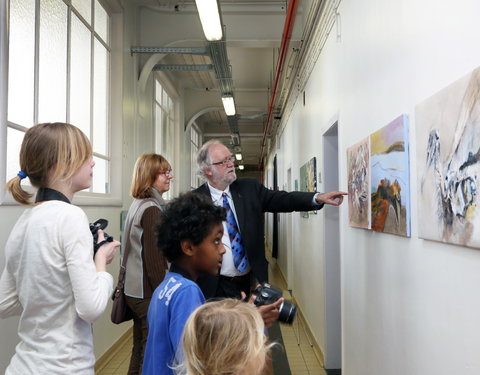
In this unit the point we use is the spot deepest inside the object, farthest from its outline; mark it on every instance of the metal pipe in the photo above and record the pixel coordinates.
(286, 36)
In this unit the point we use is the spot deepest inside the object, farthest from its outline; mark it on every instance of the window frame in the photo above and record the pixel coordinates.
(171, 153)
(114, 88)
(195, 180)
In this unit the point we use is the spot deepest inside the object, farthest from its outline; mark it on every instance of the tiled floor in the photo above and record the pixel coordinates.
(300, 354)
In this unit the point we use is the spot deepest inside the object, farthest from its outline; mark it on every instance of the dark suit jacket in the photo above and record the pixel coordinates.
(251, 200)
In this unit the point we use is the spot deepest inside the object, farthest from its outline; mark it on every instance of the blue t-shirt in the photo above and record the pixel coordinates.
(172, 303)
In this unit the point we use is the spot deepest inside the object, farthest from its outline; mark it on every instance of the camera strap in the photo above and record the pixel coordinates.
(47, 194)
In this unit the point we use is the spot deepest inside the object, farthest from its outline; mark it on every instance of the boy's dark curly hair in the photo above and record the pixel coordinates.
(188, 217)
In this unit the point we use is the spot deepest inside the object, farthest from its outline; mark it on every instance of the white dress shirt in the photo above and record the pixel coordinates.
(228, 267)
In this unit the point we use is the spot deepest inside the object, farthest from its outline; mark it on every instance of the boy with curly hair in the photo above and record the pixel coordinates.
(190, 236)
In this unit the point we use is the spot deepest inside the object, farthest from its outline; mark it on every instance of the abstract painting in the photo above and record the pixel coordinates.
(358, 169)
(308, 179)
(448, 154)
(390, 178)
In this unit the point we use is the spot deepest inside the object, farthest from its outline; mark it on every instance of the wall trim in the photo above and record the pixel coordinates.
(300, 317)
(112, 352)
(308, 331)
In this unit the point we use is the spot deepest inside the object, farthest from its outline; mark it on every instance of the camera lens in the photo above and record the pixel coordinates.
(287, 312)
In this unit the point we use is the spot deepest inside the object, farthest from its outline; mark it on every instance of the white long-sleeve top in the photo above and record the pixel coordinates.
(50, 279)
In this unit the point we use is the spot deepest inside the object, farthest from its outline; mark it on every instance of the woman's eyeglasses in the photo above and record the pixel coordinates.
(166, 173)
(231, 159)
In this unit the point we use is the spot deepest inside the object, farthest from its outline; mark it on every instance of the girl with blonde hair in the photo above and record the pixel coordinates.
(224, 337)
(52, 278)
(146, 266)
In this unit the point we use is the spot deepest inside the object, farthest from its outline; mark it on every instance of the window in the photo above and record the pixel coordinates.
(164, 125)
(59, 71)
(195, 144)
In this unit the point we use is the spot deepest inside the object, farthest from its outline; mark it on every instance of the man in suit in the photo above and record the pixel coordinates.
(248, 200)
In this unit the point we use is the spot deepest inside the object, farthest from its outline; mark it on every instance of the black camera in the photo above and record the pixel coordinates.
(267, 294)
(94, 227)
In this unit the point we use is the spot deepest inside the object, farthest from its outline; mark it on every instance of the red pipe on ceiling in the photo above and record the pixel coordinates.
(286, 36)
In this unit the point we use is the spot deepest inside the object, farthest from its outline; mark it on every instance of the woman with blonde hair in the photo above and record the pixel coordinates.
(224, 337)
(146, 267)
(52, 278)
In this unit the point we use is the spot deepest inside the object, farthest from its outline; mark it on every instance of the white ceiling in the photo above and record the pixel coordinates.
(253, 36)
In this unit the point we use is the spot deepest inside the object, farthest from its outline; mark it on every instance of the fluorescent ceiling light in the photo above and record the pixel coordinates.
(210, 19)
(229, 105)
(238, 156)
(241, 167)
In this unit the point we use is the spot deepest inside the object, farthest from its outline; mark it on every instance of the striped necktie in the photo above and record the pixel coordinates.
(239, 256)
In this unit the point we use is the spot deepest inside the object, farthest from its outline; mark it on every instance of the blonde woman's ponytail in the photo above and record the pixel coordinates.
(15, 188)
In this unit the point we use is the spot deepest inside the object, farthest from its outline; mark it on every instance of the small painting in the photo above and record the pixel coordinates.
(308, 179)
(390, 178)
(358, 169)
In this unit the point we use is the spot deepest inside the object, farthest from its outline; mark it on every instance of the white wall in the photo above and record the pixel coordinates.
(409, 306)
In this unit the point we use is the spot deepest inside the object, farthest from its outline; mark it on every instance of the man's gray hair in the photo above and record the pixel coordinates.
(203, 157)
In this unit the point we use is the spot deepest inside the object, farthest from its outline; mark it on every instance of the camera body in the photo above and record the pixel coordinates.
(267, 294)
(94, 227)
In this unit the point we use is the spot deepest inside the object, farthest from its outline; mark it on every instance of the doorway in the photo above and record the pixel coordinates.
(333, 329)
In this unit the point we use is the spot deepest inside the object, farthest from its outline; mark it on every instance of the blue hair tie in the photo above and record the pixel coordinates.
(22, 175)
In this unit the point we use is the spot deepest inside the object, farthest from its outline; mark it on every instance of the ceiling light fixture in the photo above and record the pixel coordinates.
(241, 167)
(229, 105)
(210, 19)
(238, 156)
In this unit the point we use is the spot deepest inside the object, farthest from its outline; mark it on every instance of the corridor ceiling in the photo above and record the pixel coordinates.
(253, 33)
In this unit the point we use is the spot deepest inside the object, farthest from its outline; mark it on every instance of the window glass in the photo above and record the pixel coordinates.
(59, 71)
(100, 176)
(84, 7)
(21, 66)
(101, 22)
(164, 100)
(100, 94)
(52, 61)
(80, 78)
(194, 147)
(158, 92)
(158, 130)
(15, 139)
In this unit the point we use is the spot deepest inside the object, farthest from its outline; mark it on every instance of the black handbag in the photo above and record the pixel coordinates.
(120, 310)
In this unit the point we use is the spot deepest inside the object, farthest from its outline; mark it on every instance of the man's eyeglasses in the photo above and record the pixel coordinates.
(166, 173)
(231, 159)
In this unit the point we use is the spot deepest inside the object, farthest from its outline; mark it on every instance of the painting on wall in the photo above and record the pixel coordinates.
(308, 179)
(448, 152)
(390, 178)
(358, 169)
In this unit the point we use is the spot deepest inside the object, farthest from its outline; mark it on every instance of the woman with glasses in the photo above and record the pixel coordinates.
(146, 266)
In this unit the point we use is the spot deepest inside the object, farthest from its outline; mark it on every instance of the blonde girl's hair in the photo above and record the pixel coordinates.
(145, 173)
(49, 152)
(224, 337)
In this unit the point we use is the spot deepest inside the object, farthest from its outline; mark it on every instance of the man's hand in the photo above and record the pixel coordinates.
(335, 198)
(270, 312)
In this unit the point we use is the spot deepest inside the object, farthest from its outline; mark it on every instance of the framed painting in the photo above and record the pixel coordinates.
(390, 178)
(448, 163)
(308, 179)
(358, 169)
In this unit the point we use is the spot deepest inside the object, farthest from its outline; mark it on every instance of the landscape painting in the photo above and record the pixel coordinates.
(358, 169)
(390, 178)
(448, 152)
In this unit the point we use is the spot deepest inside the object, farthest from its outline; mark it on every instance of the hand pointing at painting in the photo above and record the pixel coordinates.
(335, 198)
